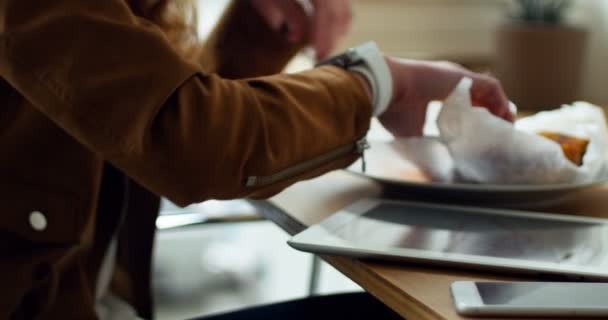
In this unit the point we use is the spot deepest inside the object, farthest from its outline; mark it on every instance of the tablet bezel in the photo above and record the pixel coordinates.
(320, 239)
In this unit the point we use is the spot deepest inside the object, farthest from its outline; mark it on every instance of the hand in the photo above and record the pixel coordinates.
(327, 23)
(416, 83)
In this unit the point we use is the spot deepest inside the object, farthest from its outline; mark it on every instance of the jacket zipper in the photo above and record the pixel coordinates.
(358, 148)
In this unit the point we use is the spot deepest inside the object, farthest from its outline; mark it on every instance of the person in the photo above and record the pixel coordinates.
(107, 105)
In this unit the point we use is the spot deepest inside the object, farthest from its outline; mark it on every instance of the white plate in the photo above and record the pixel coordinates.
(404, 180)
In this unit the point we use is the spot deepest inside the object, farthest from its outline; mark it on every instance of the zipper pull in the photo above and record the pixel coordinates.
(251, 182)
(360, 146)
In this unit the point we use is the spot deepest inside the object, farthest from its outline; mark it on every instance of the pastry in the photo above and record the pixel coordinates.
(574, 148)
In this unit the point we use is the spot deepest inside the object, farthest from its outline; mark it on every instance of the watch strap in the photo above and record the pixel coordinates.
(367, 60)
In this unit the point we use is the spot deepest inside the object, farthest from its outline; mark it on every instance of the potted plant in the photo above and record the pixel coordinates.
(540, 57)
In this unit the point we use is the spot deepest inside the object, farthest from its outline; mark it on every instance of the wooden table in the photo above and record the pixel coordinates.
(415, 292)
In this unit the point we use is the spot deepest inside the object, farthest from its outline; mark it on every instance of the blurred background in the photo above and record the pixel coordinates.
(219, 256)
(215, 256)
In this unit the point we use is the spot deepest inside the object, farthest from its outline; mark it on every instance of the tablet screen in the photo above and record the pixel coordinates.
(467, 232)
(544, 294)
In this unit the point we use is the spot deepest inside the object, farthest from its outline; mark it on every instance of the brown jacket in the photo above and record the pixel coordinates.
(99, 116)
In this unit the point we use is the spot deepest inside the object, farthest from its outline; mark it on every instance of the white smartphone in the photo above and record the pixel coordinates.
(555, 299)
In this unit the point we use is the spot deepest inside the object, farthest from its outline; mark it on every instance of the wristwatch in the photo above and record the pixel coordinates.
(367, 60)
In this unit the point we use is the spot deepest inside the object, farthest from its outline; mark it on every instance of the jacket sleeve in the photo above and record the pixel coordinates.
(113, 82)
(242, 45)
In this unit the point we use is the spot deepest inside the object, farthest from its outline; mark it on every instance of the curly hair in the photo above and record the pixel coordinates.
(177, 18)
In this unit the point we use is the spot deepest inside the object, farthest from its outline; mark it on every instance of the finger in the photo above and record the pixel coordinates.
(331, 19)
(509, 113)
(484, 93)
(495, 104)
(487, 92)
(321, 29)
(345, 16)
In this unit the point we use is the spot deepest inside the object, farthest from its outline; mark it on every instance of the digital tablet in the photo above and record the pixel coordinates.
(530, 299)
(559, 246)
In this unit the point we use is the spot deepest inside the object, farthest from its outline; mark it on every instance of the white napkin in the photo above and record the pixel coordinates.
(475, 146)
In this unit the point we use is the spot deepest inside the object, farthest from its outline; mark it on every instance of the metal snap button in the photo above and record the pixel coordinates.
(38, 221)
